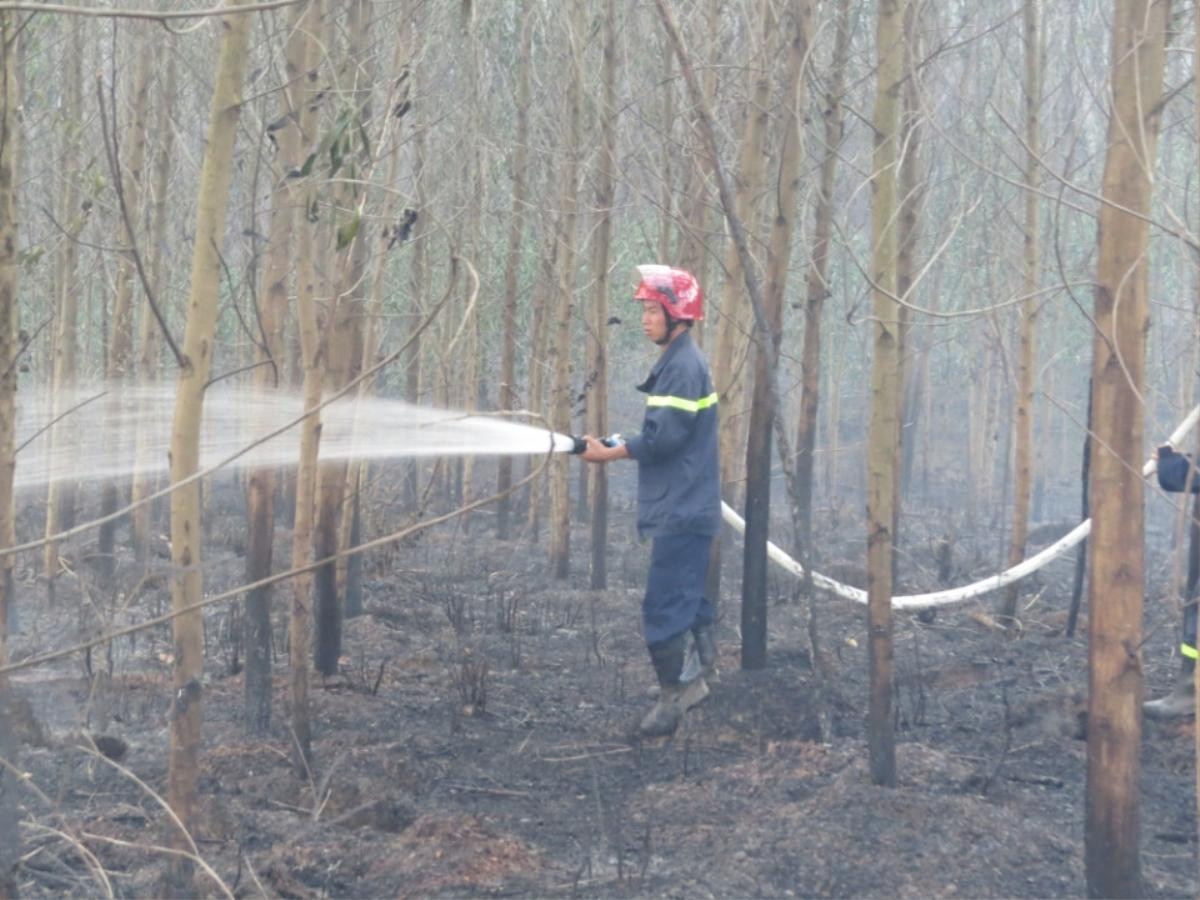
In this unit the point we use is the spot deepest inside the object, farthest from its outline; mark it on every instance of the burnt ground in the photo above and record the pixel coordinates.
(479, 741)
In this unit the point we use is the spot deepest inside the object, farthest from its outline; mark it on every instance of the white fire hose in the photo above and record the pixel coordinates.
(966, 592)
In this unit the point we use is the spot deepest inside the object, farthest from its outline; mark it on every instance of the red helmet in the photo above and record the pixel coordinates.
(675, 289)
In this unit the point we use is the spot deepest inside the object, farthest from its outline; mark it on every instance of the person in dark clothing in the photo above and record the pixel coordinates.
(679, 499)
(1174, 470)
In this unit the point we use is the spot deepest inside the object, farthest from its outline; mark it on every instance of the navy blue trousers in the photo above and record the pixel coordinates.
(675, 601)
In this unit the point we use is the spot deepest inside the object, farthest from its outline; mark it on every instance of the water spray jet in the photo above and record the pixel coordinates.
(97, 440)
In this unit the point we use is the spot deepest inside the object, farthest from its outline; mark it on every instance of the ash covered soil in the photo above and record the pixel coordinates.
(479, 739)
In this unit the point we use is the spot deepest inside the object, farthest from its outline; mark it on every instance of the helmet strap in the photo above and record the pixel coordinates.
(666, 338)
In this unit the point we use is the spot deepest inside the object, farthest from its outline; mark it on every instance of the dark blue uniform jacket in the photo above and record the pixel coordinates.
(678, 476)
(1173, 472)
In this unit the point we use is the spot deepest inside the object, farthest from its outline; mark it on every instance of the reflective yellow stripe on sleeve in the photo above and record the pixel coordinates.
(682, 402)
(1189, 651)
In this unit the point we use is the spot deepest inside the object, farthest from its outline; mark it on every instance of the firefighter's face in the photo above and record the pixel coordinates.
(654, 320)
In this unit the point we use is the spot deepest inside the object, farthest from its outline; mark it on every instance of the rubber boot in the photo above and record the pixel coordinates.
(702, 658)
(1181, 702)
(664, 717)
(699, 669)
(706, 651)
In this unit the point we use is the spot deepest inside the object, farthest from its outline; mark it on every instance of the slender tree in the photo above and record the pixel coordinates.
(471, 388)
(342, 341)
(148, 334)
(391, 235)
(418, 284)
(881, 460)
(598, 336)
(833, 422)
(260, 484)
(696, 223)
(127, 176)
(1085, 477)
(910, 192)
(763, 408)
(1027, 358)
(734, 323)
(543, 316)
(300, 621)
(817, 287)
(666, 218)
(186, 533)
(1195, 524)
(1118, 372)
(512, 264)
(560, 406)
(737, 230)
(9, 348)
(731, 345)
(60, 498)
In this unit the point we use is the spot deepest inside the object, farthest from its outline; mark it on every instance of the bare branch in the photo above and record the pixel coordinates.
(114, 163)
(82, 403)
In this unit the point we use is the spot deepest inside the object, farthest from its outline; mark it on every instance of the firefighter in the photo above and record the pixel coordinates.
(1181, 701)
(679, 500)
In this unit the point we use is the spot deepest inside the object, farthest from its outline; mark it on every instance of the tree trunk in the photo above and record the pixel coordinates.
(144, 481)
(833, 426)
(1027, 359)
(60, 498)
(342, 348)
(817, 286)
(598, 341)
(696, 223)
(881, 460)
(145, 365)
(927, 418)
(120, 347)
(695, 256)
(735, 322)
(508, 354)
(1195, 529)
(471, 388)
(763, 408)
(666, 210)
(357, 478)
(915, 404)
(728, 202)
(975, 441)
(1042, 448)
(560, 406)
(260, 489)
(186, 588)
(390, 236)
(331, 486)
(418, 287)
(543, 313)
(300, 621)
(9, 348)
(1118, 373)
(1085, 475)
(910, 193)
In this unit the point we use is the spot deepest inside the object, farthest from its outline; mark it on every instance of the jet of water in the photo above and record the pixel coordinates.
(97, 438)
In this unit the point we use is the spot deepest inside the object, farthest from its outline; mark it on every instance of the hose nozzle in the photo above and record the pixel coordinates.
(580, 444)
